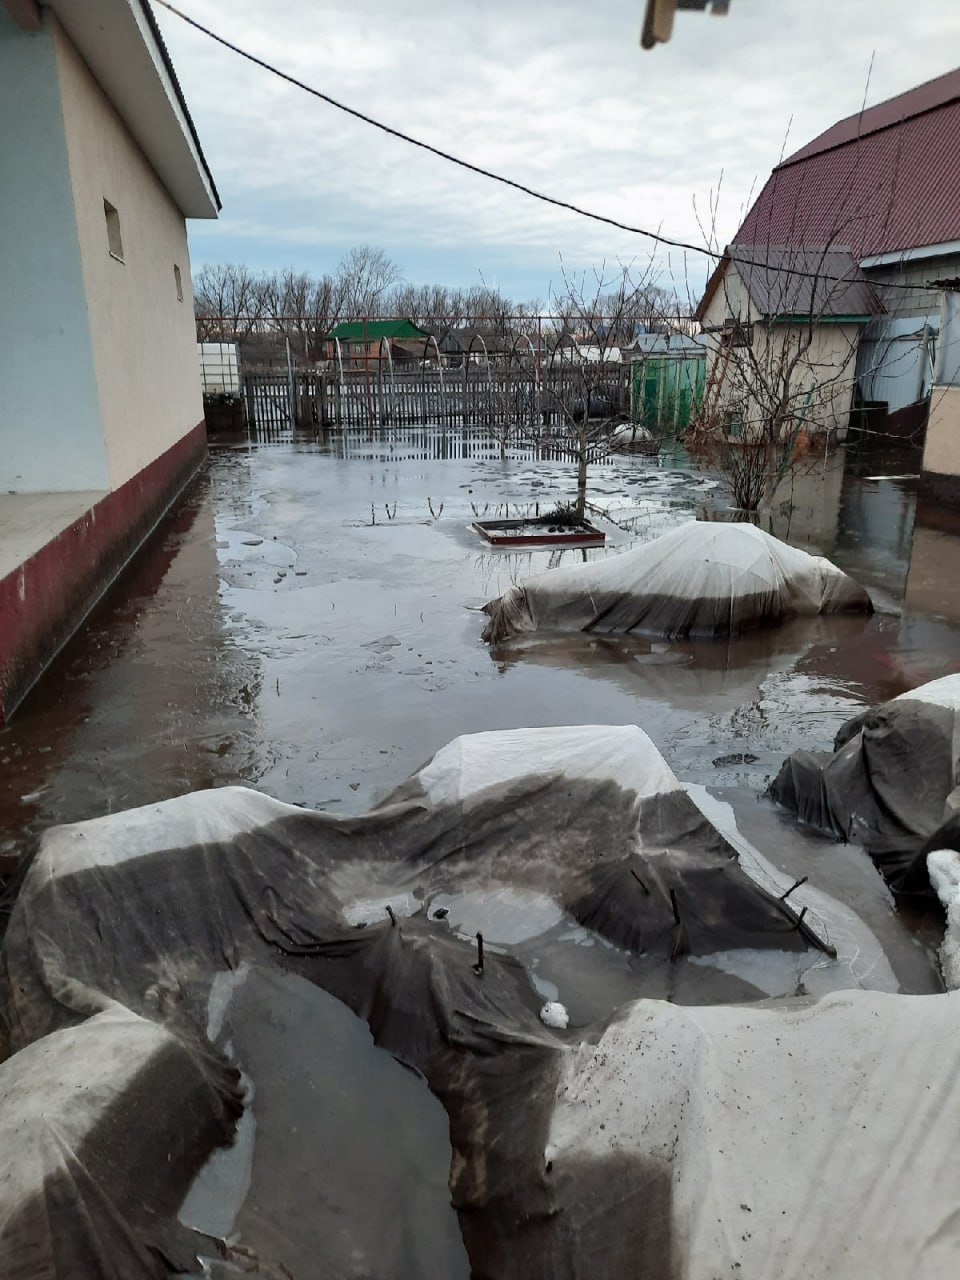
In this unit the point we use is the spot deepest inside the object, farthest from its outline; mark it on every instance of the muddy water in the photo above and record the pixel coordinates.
(321, 1097)
(307, 624)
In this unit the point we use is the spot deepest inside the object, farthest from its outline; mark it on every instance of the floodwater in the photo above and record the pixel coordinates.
(307, 623)
(321, 1097)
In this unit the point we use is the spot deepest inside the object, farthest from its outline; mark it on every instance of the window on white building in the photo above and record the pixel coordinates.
(178, 281)
(114, 239)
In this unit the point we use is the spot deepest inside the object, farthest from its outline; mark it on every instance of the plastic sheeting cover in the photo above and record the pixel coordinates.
(891, 784)
(701, 580)
(77, 1108)
(943, 867)
(794, 1142)
(163, 910)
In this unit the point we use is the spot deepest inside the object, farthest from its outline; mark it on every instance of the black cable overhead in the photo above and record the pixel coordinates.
(566, 205)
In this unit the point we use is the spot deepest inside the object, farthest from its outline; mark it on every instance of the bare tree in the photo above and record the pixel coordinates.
(365, 277)
(301, 309)
(783, 327)
(584, 378)
(232, 302)
(228, 300)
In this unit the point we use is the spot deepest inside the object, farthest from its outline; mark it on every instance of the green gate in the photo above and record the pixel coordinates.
(665, 391)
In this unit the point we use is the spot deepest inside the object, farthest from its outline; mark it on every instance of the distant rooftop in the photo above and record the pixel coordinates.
(375, 330)
(477, 337)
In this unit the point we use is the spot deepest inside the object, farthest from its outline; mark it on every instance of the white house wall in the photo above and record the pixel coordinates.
(941, 454)
(50, 435)
(831, 361)
(828, 365)
(143, 336)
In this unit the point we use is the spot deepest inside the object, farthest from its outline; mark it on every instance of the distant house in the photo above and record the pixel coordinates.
(663, 343)
(886, 183)
(101, 415)
(478, 344)
(594, 353)
(562, 349)
(357, 343)
(412, 354)
(782, 326)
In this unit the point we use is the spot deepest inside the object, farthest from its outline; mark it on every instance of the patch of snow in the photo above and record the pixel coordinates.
(554, 1014)
(501, 913)
(543, 986)
(222, 989)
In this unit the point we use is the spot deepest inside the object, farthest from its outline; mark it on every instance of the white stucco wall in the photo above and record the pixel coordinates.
(50, 435)
(143, 337)
(941, 452)
(827, 367)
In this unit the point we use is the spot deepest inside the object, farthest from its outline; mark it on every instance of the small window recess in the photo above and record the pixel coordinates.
(179, 282)
(114, 240)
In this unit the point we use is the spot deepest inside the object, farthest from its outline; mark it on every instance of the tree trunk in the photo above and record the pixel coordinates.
(581, 484)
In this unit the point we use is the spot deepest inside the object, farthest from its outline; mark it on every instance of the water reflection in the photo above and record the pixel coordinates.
(933, 579)
(148, 700)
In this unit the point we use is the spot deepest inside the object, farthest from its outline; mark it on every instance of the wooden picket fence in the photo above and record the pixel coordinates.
(472, 396)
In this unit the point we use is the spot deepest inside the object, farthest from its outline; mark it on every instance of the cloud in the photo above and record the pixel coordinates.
(556, 95)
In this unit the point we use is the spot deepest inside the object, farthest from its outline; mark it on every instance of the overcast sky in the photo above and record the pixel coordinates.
(554, 93)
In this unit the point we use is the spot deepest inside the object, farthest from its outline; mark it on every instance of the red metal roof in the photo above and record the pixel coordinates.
(882, 181)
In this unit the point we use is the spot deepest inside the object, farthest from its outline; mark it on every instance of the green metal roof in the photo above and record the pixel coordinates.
(374, 330)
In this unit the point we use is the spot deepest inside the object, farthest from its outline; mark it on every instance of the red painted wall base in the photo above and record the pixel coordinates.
(44, 601)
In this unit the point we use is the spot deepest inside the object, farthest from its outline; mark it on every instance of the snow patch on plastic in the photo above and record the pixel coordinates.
(503, 914)
(554, 1014)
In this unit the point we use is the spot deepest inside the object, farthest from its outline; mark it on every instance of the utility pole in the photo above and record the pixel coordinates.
(291, 391)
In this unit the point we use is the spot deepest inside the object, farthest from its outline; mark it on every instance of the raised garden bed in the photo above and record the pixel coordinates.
(540, 532)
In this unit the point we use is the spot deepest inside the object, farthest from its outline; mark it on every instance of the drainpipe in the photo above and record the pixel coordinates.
(924, 355)
(366, 373)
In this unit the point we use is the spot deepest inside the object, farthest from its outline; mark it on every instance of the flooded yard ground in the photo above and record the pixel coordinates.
(307, 624)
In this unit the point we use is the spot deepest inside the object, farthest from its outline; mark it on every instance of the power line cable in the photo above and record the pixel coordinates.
(566, 205)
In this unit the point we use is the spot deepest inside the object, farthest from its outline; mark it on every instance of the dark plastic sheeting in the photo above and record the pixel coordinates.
(196, 931)
(889, 785)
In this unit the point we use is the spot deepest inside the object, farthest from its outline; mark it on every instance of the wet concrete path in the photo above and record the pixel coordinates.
(305, 624)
